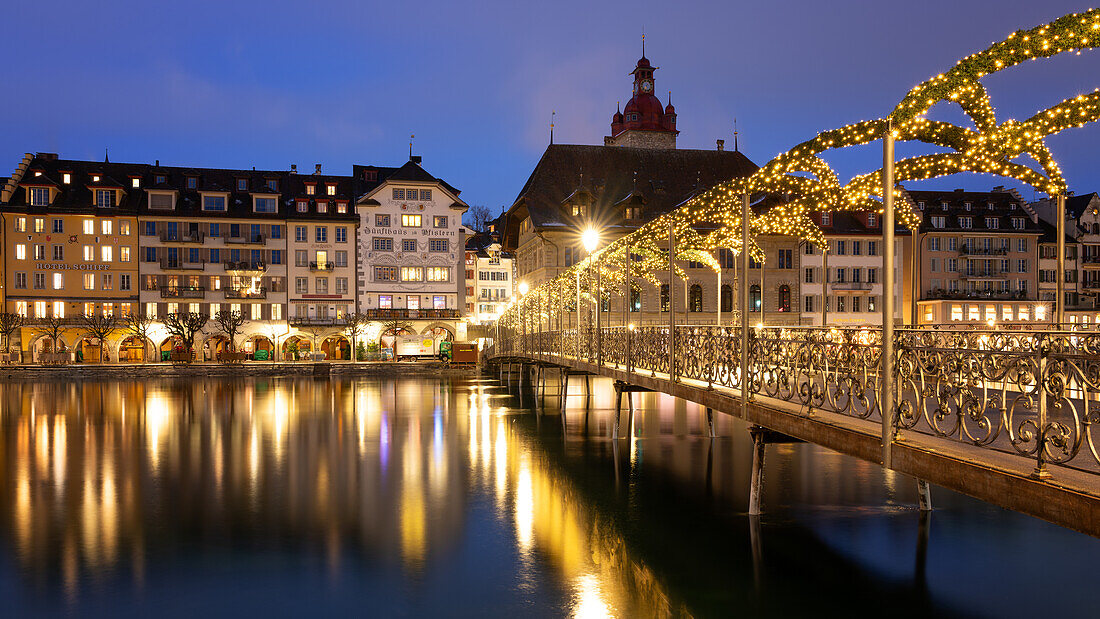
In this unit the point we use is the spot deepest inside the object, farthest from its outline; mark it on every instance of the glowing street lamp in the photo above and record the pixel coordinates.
(590, 238)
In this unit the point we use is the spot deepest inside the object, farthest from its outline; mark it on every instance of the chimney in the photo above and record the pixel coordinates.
(721, 145)
(317, 168)
(157, 164)
(47, 156)
(293, 168)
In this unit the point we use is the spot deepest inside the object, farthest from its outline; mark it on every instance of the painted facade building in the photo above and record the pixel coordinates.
(411, 247)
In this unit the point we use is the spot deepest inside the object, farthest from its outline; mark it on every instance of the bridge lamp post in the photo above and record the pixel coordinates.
(591, 240)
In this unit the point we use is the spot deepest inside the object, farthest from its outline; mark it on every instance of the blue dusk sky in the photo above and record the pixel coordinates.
(268, 84)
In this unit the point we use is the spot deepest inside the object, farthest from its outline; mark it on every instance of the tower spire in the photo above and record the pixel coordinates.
(643, 41)
(552, 114)
(411, 136)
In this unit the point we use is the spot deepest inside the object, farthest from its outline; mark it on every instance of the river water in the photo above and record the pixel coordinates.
(449, 497)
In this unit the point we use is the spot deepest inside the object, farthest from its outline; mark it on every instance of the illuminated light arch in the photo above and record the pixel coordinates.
(990, 147)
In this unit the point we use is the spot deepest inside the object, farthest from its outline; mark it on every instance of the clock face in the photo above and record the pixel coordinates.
(647, 85)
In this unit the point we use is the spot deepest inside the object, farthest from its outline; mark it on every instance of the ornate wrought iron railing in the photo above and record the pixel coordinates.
(1035, 394)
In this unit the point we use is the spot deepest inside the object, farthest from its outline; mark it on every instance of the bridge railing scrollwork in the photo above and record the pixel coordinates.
(1034, 394)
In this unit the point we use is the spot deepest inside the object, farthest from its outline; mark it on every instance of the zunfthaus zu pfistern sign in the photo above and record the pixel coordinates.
(410, 231)
(61, 266)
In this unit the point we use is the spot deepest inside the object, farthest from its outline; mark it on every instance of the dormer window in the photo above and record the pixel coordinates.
(322, 207)
(161, 201)
(331, 189)
(95, 178)
(161, 179)
(264, 205)
(826, 219)
(135, 182)
(104, 198)
(966, 222)
(370, 175)
(213, 203)
(943, 205)
(66, 178)
(303, 206)
(632, 212)
(967, 205)
(1011, 207)
(38, 172)
(989, 206)
(992, 223)
(1018, 223)
(273, 185)
(192, 182)
(341, 207)
(872, 220)
(39, 196)
(920, 205)
(577, 210)
(242, 184)
(310, 189)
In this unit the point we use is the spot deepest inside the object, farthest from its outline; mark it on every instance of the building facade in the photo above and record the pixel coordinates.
(411, 247)
(87, 238)
(977, 258)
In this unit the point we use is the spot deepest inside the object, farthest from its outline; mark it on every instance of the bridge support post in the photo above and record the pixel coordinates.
(710, 422)
(564, 380)
(618, 410)
(756, 486)
(744, 369)
(924, 495)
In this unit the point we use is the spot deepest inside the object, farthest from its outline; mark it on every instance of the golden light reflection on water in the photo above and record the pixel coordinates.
(118, 477)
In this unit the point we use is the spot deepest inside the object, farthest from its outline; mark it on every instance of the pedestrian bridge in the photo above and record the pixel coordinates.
(1008, 417)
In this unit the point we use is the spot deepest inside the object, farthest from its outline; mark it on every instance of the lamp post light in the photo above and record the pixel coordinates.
(591, 240)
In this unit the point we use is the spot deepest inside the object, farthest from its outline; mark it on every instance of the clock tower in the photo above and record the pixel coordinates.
(644, 122)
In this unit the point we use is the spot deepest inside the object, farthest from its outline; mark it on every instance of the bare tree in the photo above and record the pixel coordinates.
(9, 322)
(315, 331)
(230, 324)
(185, 326)
(51, 327)
(478, 217)
(140, 327)
(395, 326)
(355, 323)
(100, 327)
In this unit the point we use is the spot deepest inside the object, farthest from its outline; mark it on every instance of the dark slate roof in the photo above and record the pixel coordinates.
(77, 196)
(1050, 233)
(1076, 205)
(411, 172)
(664, 179)
(1006, 205)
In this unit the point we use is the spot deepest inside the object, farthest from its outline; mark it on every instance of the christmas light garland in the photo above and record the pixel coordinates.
(812, 185)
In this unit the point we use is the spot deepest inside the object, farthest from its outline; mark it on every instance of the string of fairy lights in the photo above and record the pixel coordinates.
(711, 220)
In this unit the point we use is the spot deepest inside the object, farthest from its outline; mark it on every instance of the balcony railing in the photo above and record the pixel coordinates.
(964, 295)
(322, 266)
(249, 239)
(246, 293)
(244, 265)
(314, 321)
(187, 237)
(181, 265)
(982, 251)
(182, 292)
(383, 314)
(850, 285)
(1091, 260)
(985, 273)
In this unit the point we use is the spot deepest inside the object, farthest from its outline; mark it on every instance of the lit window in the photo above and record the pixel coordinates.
(40, 196)
(135, 182)
(439, 221)
(331, 190)
(106, 226)
(438, 274)
(311, 189)
(385, 301)
(20, 252)
(39, 224)
(322, 207)
(59, 309)
(20, 224)
(106, 281)
(106, 252)
(89, 253)
(412, 274)
(66, 178)
(59, 281)
(89, 281)
(411, 221)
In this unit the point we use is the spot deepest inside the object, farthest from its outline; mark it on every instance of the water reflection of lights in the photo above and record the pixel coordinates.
(589, 599)
(156, 425)
(525, 507)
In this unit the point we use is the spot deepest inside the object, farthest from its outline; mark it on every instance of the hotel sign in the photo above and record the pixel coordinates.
(61, 266)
